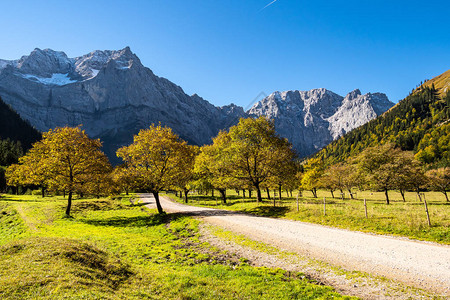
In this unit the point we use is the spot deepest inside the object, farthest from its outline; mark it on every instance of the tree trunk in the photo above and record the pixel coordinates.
(446, 196)
(279, 191)
(158, 204)
(186, 191)
(268, 193)
(42, 191)
(387, 196)
(418, 194)
(126, 192)
(402, 192)
(332, 193)
(258, 195)
(249, 193)
(351, 194)
(212, 192)
(64, 194)
(237, 192)
(69, 204)
(243, 194)
(314, 192)
(223, 193)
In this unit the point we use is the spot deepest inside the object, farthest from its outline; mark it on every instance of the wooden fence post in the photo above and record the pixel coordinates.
(426, 210)
(365, 207)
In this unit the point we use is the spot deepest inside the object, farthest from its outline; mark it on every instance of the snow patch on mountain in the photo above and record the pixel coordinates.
(94, 72)
(56, 79)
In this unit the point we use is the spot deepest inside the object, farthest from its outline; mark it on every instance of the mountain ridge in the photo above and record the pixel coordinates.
(319, 115)
(113, 95)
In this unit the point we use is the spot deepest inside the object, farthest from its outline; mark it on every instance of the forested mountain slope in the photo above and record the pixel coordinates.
(16, 136)
(13, 127)
(419, 123)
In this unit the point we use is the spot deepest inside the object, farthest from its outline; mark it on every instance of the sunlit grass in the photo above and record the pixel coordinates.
(399, 218)
(112, 249)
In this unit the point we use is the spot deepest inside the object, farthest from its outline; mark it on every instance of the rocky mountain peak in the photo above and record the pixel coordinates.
(312, 119)
(114, 96)
(89, 65)
(45, 63)
(353, 94)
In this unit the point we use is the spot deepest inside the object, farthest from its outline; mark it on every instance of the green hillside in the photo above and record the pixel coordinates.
(419, 123)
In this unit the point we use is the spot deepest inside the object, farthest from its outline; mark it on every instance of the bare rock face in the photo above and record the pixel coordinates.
(114, 96)
(111, 93)
(312, 119)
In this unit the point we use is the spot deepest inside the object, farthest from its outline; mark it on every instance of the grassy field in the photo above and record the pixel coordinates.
(399, 218)
(112, 249)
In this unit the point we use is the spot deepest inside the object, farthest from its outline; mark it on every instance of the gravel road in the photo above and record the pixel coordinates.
(422, 264)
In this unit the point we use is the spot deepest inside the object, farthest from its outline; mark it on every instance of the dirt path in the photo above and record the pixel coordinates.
(421, 264)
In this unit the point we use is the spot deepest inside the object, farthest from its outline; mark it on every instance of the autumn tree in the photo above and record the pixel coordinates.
(311, 179)
(213, 164)
(123, 178)
(284, 171)
(185, 178)
(100, 182)
(352, 176)
(155, 159)
(255, 152)
(409, 173)
(439, 180)
(333, 178)
(388, 168)
(64, 159)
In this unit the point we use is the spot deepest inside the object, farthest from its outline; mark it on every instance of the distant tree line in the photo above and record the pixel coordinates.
(249, 158)
(384, 168)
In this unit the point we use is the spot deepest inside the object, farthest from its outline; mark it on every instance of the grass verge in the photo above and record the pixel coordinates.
(112, 249)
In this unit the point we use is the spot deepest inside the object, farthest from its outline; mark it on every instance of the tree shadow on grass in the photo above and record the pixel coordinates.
(268, 211)
(8, 199)
(138, 221)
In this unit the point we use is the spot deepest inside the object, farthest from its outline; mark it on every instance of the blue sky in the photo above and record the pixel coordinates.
(231, 51)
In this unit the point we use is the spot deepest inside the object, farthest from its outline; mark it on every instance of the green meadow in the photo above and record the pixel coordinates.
(113, 249)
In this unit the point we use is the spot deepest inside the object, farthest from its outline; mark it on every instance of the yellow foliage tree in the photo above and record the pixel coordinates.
(256, 153)
(156, 159)
(185, 178)
(123, 178)
(213, 164)
(64, 159)
(439, 180)
(311, 179)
